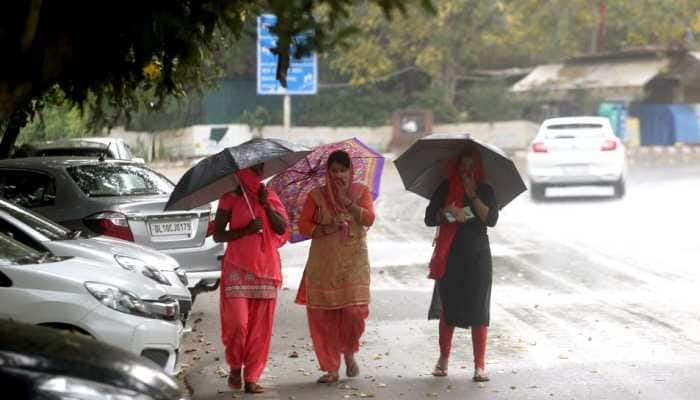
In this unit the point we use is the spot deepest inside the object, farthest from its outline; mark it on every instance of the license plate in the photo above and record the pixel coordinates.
(576, 169)
(170, 228)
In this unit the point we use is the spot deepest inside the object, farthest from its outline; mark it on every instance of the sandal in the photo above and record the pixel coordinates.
(330, 377)
(480, 375)
(352, 370)
(254, 388)
(234, 379)
(439, 371)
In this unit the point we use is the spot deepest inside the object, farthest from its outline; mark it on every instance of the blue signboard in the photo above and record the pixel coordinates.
(301, 75)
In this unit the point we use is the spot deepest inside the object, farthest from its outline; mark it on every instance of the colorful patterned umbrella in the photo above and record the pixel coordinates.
(294, 184)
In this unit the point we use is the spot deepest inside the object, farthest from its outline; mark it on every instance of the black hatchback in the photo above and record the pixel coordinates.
(48, 364)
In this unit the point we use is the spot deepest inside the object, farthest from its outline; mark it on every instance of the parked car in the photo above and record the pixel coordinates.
(41, 234)
(576, 151)
(121, 308)
(119, 199)
(107, 147)
(42, 363)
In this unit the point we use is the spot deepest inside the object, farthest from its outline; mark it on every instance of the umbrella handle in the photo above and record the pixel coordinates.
(247, 202)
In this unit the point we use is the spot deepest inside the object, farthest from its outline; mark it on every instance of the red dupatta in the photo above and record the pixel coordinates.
(455, 196)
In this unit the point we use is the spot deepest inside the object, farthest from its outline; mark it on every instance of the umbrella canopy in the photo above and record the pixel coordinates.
(213, 176)
(294, 184)
(425, 165)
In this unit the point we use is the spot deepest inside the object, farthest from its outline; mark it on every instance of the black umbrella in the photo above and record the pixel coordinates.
(424, 165)
(213, 176)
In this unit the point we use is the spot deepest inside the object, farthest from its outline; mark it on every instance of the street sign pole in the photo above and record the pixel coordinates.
(287, 116)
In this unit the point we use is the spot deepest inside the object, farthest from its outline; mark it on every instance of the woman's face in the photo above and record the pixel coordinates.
(465, 167)
(340, 173)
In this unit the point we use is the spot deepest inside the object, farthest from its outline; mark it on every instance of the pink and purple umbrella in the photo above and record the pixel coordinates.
(295, 183)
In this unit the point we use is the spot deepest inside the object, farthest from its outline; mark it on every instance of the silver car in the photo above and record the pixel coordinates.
(120, 199)
(107, 147)
(41, 234)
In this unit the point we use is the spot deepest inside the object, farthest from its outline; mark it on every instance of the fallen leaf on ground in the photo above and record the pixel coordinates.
(221, 372)
(513, 388)
(294, 355)
(190, 350)
(381, 385)
(366, 395)
(198, 320)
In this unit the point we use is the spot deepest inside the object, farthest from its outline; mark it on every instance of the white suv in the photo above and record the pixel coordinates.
(576, 151)
(120, 308)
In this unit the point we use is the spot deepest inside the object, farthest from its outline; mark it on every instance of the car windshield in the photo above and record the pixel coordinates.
(99, 180)
(13, 252)
(46, 227)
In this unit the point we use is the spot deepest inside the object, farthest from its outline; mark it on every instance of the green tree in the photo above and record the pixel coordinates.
(109, 53)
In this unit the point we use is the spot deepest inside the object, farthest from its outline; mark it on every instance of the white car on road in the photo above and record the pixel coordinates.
(42, 234)
(120, 308)
(576, 151)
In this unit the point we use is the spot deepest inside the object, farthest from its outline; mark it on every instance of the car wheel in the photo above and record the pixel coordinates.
(620, 188)
(537, 191)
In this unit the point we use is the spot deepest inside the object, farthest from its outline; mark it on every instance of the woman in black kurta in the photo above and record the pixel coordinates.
(462, 295)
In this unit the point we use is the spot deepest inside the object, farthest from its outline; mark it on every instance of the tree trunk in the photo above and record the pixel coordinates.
(16, 121)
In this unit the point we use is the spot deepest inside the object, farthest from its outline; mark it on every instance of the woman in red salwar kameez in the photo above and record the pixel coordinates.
(250, 275)
(335, 285)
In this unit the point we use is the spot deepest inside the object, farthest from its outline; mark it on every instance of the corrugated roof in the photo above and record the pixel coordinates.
(632, 73)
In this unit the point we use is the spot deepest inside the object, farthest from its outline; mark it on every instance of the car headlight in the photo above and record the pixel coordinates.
(156, 275)
(182, 276)
(117, 299)
(80, 389)
(132, 264)
(129, 263)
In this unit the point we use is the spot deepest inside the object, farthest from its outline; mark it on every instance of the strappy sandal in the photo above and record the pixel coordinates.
(352, 370)
(254, 388)
(234, 379)
(480, 375)
(329, 377)
(439, 371)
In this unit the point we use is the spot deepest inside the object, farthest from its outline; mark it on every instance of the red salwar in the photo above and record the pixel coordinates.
(336, 332)
(246, 330)
(479, 336)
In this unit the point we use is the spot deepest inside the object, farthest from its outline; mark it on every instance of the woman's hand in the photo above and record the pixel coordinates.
(457, 212)
(254, 226)
(469, 186)
(343, 194)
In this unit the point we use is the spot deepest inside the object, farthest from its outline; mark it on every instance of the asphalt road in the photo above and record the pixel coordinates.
(594, 298)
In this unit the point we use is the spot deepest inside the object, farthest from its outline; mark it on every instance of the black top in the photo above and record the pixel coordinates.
(464, 292)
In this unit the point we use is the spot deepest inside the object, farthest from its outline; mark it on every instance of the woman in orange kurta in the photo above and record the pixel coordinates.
(335, 285)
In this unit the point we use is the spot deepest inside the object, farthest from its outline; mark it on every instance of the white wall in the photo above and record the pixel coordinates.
(194, 141)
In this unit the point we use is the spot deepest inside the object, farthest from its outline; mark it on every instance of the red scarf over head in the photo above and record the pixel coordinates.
(455, 196)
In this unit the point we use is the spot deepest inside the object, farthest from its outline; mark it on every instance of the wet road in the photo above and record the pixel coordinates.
(593, 297)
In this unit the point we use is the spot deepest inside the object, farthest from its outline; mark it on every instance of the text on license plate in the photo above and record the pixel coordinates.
(170, 228)
(576, 169)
